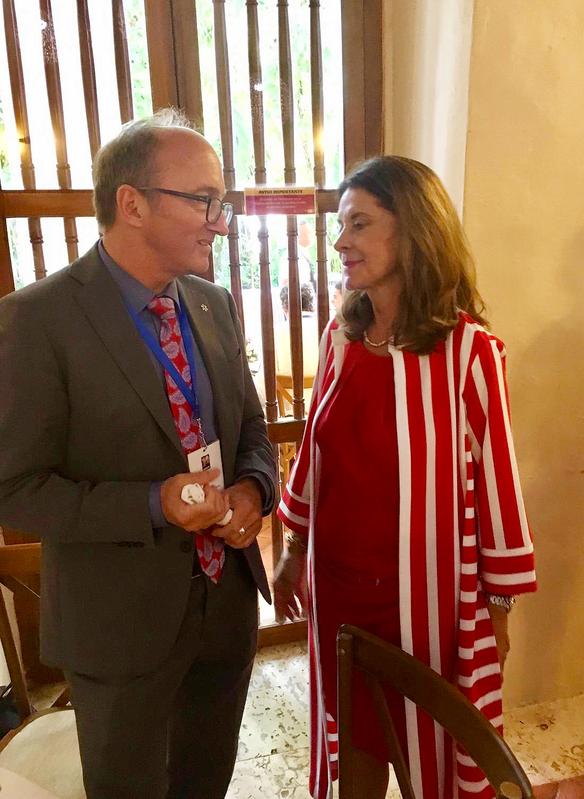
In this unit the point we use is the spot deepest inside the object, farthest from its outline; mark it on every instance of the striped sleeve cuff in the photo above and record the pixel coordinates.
(294, 512)
(508, 572)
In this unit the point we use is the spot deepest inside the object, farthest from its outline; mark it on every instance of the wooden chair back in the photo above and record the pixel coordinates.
(382, 663)
(17, 563)
(40, 757)
(284, 387)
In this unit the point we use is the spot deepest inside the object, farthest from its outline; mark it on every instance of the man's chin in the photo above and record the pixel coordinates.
(198, 268)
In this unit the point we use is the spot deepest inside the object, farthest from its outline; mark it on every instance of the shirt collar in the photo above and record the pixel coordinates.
(134, 293)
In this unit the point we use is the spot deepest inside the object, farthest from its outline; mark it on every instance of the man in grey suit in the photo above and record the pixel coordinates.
(93, 460)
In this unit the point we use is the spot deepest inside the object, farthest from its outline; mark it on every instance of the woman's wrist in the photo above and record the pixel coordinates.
(502, 601)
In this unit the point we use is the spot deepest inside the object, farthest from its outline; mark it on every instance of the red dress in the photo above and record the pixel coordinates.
(462, 532)
(356, 557)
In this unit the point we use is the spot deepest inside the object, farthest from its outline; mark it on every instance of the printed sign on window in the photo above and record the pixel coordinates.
(284, 200)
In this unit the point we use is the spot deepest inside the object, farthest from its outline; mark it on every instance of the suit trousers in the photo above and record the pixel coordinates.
(173, 733)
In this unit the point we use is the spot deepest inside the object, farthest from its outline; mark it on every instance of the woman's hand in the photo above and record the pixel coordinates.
(290, 598)
(499, 620)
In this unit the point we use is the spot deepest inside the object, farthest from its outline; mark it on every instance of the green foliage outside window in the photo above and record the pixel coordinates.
(244, 163)
(236, 17)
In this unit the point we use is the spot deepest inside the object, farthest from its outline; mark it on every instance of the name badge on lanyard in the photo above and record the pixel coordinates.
(209, 455)
(205, 458)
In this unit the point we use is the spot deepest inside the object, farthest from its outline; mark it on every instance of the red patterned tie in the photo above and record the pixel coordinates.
(210, 550)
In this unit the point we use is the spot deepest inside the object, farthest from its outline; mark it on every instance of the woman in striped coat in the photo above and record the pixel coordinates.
(404, 502)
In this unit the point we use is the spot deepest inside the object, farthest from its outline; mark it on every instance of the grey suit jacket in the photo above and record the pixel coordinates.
(85, 427)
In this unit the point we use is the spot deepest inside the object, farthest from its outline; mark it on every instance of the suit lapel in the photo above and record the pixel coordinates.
(208, 334)
(204, 327)
(102, 303)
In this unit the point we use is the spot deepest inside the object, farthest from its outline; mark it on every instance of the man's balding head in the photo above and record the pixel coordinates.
(131, 158)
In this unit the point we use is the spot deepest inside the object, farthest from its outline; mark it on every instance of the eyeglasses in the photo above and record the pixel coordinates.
(215, 206)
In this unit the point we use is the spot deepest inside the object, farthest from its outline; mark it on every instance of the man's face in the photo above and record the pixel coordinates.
(175, 229)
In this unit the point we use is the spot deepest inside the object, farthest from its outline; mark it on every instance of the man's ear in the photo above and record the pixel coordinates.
(131, 204)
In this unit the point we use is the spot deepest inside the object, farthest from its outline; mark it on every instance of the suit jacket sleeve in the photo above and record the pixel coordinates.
(254, 452)
(35, 496)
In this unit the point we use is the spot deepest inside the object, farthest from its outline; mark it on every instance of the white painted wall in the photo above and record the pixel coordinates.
(507, 136)
(524, 215)
(426, 66)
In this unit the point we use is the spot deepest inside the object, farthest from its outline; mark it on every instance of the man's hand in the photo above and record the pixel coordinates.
(246, 501)
(193, 518)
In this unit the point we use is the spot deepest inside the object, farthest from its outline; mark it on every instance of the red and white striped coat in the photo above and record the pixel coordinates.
(462, 528)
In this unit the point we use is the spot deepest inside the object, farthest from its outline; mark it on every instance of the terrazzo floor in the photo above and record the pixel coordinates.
(548, 739)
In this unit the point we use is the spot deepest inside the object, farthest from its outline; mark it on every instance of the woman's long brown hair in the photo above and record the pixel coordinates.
(433, 258)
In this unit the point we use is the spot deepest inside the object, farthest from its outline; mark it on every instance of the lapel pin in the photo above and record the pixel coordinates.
(204, 307)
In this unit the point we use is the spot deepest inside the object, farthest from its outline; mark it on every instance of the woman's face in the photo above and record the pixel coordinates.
(367, 241)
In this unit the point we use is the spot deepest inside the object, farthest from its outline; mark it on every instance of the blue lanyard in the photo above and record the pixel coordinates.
(188, 392)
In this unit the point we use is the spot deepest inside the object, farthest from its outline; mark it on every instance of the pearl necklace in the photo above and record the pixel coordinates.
(373, 344)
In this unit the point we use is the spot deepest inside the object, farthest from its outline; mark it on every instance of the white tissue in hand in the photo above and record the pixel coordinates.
(227, 518)
(193, 494)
